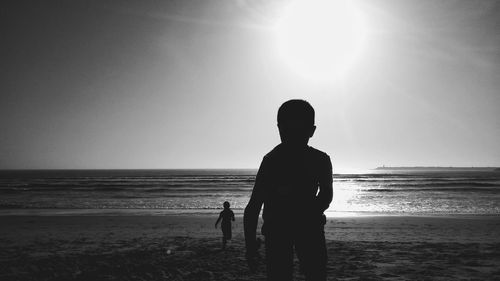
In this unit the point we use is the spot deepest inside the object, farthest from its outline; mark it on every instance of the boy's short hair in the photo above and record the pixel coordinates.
(294, 110)
(226, 204)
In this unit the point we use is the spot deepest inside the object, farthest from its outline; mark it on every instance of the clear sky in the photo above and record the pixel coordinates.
(197, 84)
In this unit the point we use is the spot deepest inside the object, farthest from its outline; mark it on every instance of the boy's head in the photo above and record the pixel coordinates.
(296, 122)
(226, 205)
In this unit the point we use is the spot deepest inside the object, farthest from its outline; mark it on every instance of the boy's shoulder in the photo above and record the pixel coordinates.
(318, 152)
(279, 150)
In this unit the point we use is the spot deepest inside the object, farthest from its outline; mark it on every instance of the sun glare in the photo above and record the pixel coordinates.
(320, 39)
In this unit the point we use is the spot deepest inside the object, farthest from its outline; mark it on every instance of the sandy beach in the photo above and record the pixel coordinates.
(188, 247)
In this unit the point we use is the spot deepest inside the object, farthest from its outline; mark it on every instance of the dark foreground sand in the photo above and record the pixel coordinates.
(182, 247)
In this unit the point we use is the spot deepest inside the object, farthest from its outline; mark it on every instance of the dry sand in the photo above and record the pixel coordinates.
(188, 247)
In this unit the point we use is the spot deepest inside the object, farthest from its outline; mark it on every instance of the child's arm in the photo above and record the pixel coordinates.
(325, 195)
(218, 220)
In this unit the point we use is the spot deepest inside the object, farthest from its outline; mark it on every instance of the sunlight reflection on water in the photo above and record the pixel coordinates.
(458, 193)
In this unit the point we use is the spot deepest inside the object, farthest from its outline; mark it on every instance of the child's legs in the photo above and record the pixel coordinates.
(279, 257)
(224, 241)
(311, 251)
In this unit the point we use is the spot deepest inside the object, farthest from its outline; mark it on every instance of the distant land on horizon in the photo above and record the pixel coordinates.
(438, 168)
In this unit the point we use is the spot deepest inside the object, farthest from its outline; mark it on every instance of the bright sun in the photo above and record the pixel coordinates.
(320, 39)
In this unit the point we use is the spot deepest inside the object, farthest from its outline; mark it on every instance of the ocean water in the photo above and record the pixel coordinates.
(184, 191)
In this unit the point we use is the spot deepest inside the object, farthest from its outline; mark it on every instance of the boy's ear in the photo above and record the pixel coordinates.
(313, 129)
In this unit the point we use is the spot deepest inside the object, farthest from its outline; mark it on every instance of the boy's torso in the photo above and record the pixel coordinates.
(291, 178)
(227, 215)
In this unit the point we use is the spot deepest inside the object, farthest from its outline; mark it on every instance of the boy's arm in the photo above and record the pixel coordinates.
(325, 194)
(218, 220)
(252, 211)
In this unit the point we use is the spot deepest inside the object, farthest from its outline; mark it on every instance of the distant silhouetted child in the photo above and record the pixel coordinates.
(226, 216)
(294, 183)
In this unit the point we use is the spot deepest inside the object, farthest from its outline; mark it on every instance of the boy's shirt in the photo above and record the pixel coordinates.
(288, 182)
(227, 215)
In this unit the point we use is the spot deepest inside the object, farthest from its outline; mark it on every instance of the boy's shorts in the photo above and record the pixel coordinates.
(309, 244)
(226, 232)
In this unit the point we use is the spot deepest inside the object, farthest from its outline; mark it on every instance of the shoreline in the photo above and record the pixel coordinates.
(460, 229)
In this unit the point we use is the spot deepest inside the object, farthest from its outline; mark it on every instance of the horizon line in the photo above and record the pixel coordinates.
(376, 168)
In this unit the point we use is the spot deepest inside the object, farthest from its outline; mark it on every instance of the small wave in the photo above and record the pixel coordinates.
(425, 184)
(454, 189)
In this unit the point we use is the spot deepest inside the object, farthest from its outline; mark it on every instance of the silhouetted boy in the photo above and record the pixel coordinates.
(294, 182)
(226, 216)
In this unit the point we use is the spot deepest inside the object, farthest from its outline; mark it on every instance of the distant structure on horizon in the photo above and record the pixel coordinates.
(439, 169)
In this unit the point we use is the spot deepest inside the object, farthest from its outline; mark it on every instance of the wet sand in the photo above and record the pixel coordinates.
(188, 247)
